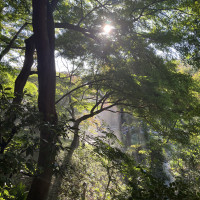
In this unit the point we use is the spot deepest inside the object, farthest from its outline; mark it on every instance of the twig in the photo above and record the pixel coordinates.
(68, 93)
(8, 47)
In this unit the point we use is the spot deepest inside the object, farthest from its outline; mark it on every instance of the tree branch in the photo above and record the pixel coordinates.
(19, 86)
(102, 100)
(8, 47)
(86, 32)
(95, 8)
(144, 9)
(79, 120)
(83, 85)
(4, 144)
(103, 5)
(13, 47)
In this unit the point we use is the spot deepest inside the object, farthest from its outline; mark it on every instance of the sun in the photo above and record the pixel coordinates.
(107, 28)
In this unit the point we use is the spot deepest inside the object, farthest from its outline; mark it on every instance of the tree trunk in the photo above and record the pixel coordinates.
(43, 28)
(54, 192)
(18, 91)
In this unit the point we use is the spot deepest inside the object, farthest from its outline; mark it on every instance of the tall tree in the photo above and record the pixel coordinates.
(44, 34)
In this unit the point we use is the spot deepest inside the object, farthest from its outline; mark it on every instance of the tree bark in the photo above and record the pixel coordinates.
(43, 28)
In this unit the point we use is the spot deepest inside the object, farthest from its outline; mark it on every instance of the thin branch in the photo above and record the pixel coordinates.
(13, 47)
(84, 94)
(103, 5)
(104, 101)
(91, 11)
(82, 13)
(153, 11)
(87, 116)
(99, 102)
(86, 32)
(121, 112)
(144, 9)
(4, 144)
(8, 47)
(109, 180)
(83, 85)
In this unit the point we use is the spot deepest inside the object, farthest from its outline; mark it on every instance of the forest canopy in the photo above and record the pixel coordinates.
(128, 62)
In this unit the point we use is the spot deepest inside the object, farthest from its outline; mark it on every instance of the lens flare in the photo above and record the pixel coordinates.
(107, 28)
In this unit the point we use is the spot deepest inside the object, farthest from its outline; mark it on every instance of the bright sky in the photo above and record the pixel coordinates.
(107, 29)
(63, 66)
